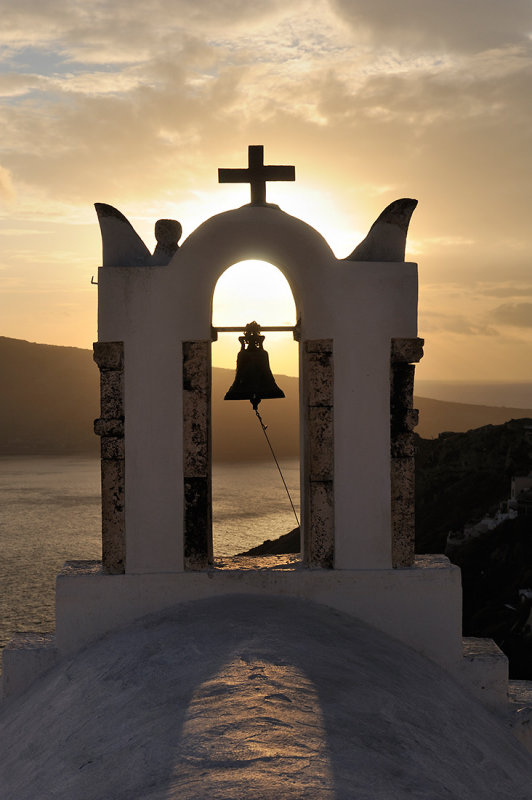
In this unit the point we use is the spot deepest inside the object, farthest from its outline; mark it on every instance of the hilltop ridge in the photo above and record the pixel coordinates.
(51, 396)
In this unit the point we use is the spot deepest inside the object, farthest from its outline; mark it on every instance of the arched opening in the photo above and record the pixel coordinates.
(249, 501)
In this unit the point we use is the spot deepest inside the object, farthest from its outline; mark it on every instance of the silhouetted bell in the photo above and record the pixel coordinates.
(253, 380)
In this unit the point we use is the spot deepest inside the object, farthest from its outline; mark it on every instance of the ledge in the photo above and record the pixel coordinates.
(285, 562)
(420, 605)
(271, 563)
(82, 568)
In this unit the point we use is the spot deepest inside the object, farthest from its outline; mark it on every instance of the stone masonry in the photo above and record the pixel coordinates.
(109, 357)
(197, 454)
(403, 419)
(318, 382)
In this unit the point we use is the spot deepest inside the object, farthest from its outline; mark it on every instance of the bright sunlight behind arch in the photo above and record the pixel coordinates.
(255, 290)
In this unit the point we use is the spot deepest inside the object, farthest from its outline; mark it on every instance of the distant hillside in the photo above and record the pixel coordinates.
(236, 433)
(437, 416)
(50, 398)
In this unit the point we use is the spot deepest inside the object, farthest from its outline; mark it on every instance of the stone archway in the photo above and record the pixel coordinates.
(316, 381)
(250, 503)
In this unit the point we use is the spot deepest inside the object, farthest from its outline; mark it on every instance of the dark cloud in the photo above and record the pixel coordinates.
(517, 314)
(506, 291)
(440, 25)
(432, 321)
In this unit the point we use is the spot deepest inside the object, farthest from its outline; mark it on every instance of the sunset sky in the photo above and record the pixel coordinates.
(137, 104)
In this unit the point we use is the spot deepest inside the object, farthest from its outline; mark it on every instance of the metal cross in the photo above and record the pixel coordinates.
(256, 174)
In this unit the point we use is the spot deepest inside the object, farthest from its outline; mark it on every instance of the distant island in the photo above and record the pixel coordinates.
(50, 397)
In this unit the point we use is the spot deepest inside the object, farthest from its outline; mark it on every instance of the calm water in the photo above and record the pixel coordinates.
(50, 513)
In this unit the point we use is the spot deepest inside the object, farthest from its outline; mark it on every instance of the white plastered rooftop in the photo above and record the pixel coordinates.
(254, 697)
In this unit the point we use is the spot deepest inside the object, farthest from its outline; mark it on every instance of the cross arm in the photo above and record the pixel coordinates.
(233, 176)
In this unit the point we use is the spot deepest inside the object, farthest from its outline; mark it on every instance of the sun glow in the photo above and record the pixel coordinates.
(255, 290)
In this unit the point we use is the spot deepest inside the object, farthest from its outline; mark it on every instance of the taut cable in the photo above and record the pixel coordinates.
(263, 426)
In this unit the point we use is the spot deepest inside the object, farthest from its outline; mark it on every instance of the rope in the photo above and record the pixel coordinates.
(263, 426)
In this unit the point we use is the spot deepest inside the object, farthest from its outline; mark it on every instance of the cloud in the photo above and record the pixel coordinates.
(429, 25)
(506, 291)
(518, 315)
(7, 191)
(448, 241)
(460, 308)
(14, 85)
(136, 104)
(432, 321)
(163, 94)
(115, 31)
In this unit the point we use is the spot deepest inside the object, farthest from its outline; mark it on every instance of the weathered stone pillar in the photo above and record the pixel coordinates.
(109, 357)
(403, 419)
(318, 386)
(197, 454)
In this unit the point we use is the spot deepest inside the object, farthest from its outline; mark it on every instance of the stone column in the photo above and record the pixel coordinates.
(403, 419)
(197, 454)
(109, 357)
(318, 387)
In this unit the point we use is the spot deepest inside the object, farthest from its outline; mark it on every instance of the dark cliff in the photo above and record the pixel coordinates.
(462, 476)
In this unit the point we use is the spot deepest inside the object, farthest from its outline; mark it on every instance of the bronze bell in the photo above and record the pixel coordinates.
(253, 380)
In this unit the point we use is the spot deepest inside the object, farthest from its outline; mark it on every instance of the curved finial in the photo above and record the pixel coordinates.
(121, 244)
(386, 240)
(123, 247)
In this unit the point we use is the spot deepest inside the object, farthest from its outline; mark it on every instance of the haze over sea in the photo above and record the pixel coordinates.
(517, 394)
(51, 514)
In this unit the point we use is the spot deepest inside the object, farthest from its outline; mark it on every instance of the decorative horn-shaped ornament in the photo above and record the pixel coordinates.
(253, 380)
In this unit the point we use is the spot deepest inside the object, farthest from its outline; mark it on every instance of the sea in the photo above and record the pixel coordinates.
(50, 513)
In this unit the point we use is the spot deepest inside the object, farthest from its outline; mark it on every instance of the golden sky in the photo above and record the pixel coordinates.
(137, 104)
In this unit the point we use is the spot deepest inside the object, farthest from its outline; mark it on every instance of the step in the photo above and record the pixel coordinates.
(520, 701)
(484, 670)
(27, 656)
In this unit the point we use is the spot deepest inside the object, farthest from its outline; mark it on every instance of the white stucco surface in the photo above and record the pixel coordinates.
(360, 305)
(254, 697)
(421, 606)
